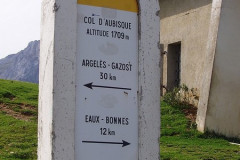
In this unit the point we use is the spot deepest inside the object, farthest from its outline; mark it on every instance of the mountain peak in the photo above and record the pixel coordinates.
(22, 66)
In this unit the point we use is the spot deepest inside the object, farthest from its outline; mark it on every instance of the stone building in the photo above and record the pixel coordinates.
(200, 41)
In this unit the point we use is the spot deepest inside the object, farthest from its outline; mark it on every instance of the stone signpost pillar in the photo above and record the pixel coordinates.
(99, 80)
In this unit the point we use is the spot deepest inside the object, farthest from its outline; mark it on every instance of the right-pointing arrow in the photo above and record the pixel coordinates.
(123, 143)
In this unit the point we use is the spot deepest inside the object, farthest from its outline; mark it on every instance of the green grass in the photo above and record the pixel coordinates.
(18, 138)
(18, 93)
(180, 140)
(20, 97)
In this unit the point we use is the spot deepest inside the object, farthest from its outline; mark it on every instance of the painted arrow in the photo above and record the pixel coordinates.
(123, 143)
(90, 85)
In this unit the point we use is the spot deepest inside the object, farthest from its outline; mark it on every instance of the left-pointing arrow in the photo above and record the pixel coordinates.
(90, 85)
(123, 143)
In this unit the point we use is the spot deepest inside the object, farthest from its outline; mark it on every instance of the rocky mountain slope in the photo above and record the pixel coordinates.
(22, 66)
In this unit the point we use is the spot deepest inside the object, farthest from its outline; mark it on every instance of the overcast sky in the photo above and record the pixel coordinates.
(19, 24)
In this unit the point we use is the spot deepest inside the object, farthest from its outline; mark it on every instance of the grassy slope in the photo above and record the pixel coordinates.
(18, 138)
(181, 142)
(15, 92)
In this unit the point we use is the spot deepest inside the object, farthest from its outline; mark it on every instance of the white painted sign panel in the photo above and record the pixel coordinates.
(106, 125)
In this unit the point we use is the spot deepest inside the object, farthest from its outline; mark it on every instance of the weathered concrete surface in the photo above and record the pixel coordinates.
(208, 64)
(45, 105)
(209, 36)
(186, 21)
(149, 78)
(57, 80)
(223, 107)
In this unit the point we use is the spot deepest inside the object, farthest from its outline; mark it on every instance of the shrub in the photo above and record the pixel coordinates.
(182, 96)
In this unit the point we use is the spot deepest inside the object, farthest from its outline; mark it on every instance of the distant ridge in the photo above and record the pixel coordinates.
(22, 66)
